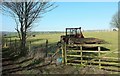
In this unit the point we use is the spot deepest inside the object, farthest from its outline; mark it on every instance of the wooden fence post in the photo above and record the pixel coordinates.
(15, 44)
(64, 54)
(99, 56)
(46, 47)
(10, 42)
(81, 54)
(5, 43)
(30, 46)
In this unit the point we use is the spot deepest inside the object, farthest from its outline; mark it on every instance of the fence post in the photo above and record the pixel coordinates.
(5, 45)
(6, 42)
(10, 42)
(99, 57)
(81, 53)
(62, 48)
(46, 47)
(64, 54)
(15, 44)
(30, 46)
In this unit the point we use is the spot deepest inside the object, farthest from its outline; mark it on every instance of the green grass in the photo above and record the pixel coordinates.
(52, 38)
(40, 38)
(110, 37)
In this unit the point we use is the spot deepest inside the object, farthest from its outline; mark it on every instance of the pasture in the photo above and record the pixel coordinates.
(110, 37)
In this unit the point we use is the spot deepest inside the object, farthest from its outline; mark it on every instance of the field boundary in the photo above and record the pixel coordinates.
(106, 63)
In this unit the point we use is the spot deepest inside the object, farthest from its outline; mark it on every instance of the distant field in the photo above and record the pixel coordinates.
(40, 38)
(110, 37)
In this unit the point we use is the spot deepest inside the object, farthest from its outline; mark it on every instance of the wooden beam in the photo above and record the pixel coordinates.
(74, 55)
(81, 53)
(65, 55)
(62, 54)
(86, 51)
(99, 57)
(95, 45)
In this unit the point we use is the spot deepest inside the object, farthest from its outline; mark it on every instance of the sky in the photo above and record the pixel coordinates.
(88, 15)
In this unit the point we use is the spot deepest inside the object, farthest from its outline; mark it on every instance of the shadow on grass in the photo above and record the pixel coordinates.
(20, 68)
(9, 55)
(34, 40)
(17, 40)
(18, 62)
(10, 36)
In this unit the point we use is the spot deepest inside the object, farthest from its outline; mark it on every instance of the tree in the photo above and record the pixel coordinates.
(25, 14)
(115, 22)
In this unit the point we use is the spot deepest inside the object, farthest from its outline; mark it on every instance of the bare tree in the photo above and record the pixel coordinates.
(115, 22)
(25, 13)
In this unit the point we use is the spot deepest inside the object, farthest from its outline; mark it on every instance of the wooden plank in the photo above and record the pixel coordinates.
(109, 63)
(73, 64)
(56, 52)
(65, 55)
(85, 51)
(96, 51)
(97, 62)
(104, 64)
(30, 46)
(84, 45)
(62, 55)
(81, 53)
(89, 56)
(74, 55)
(99, 56)
(109, 58)
(77, 60)
(94, 62)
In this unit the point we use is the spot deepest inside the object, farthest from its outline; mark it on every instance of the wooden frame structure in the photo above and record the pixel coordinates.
(65, 54)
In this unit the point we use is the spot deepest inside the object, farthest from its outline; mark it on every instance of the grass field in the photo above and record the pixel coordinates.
(40, 38)
(110, 37)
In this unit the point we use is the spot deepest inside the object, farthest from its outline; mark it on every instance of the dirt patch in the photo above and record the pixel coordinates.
(69, 69)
